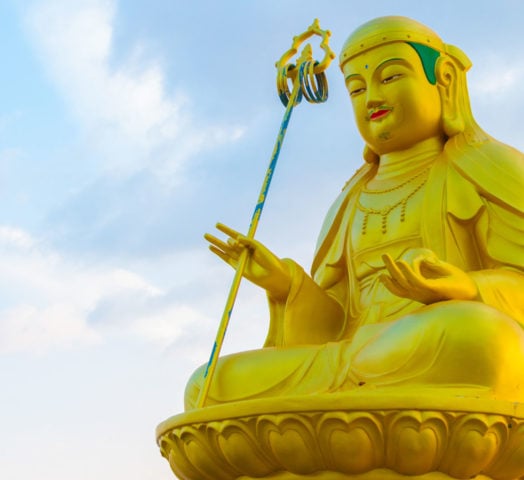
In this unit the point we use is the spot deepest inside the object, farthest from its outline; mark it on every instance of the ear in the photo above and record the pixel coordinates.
(448, 84)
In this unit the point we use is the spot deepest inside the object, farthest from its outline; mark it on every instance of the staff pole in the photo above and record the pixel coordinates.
(309, 81)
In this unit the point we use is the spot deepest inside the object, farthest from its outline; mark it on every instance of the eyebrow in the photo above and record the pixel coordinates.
(381, 65)
(395, 60)
(352, 75)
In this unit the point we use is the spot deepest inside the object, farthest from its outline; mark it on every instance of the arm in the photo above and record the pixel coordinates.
(300, 311)
(309, 314)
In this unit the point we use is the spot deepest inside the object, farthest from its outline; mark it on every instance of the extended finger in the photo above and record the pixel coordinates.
(228, 231)
(431, 268)
(418, 263)
(226, 248)
(227, 258)
(393, 286)
(216, 241)
(394, 271)
(413, 279)
(237, 238)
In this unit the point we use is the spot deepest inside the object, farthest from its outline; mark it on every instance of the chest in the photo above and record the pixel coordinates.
(383, 218)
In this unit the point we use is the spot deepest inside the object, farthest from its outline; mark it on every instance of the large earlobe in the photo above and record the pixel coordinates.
(448, 84)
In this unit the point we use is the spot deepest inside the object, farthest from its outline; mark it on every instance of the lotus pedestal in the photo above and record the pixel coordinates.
(360, 435)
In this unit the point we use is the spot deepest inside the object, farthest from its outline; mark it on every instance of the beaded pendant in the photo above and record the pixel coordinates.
(385, 211)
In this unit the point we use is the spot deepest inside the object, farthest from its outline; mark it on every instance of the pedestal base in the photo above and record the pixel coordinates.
(432, 435)
(379, 474)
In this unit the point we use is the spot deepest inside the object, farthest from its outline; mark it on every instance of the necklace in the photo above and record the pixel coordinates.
(386, 210)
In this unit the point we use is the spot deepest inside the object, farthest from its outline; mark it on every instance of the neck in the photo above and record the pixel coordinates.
(417, 157)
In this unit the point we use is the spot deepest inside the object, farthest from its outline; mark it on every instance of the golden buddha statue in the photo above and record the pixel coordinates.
(418, 278)
(402, 355)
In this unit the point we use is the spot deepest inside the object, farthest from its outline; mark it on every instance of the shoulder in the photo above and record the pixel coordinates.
(495, 169)
(330, 241)
(330, 219)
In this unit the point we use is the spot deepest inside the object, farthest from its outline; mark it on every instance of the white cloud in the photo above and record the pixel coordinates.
(167, 325)
(50, 301)
(27, 328)
(10, 236)
(488, 86)
(123, 105)
(496, 96)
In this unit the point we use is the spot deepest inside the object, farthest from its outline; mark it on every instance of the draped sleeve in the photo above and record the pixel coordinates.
(317, 308)
(492, 188)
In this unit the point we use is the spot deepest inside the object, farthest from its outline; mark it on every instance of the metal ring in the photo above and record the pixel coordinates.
(306, 69)
(283, 86)
(314, 85)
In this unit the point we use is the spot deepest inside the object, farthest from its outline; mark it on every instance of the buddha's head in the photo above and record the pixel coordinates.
(405, 84)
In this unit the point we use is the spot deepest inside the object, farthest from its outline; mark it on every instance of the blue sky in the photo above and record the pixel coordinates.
(127, 129)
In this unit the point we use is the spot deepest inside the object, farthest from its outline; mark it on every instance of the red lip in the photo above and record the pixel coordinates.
(379, 114)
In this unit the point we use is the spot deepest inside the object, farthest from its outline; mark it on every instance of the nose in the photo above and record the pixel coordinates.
(374, 97)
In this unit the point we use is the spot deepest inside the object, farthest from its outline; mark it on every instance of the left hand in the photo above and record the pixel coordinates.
(427, 279)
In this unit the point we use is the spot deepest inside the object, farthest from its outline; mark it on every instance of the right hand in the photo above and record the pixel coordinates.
(421, 276)
(263, 267)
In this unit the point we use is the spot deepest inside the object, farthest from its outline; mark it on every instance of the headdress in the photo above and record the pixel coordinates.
(384, 30)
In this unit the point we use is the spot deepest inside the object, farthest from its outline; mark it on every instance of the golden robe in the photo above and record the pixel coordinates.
(473, 218)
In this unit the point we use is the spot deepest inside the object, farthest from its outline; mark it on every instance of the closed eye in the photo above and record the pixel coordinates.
(392, 78)
(357, 91)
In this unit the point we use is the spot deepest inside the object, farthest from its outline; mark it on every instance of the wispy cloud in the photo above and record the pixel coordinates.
(489, 86)
(124, 105)
(52, 301)
(495, 85)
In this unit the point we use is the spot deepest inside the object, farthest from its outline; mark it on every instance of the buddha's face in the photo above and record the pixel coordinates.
(395, 106)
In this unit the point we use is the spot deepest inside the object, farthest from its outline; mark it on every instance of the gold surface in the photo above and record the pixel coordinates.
(403, 352)
(377, 438)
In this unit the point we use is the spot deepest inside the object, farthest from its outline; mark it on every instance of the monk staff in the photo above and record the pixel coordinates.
(309, 81)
